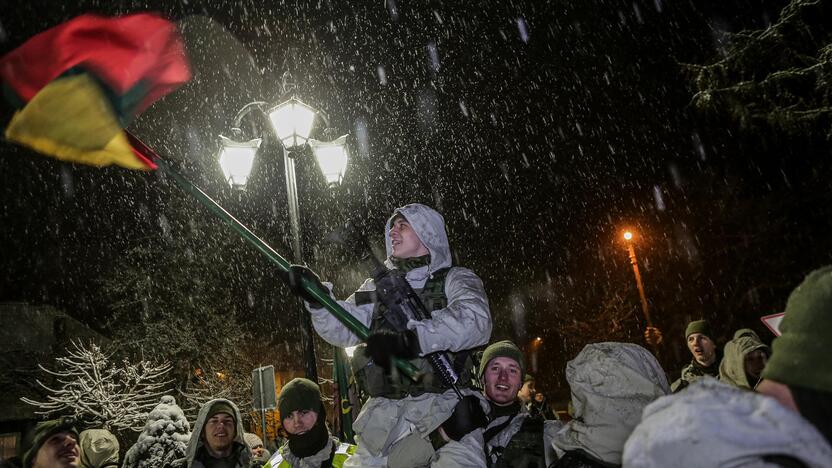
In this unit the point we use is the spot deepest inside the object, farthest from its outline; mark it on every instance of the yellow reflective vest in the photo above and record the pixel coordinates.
(342, 453)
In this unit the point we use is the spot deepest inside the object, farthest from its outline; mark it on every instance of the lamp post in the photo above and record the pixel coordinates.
(652, 335)
(628, 238)
(292, 122)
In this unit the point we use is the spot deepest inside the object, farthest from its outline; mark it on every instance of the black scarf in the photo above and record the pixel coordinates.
(312, 441)
(508, 410)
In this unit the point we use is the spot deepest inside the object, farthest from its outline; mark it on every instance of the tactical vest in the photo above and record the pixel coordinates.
(342, 453)
(375, 381)
(525, 448)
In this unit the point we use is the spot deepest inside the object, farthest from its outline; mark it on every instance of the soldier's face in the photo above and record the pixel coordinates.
(755, 362)
(406, 243)
(61, 450)
(219, 432)
(300, 422)
(502, 380)
(526, 392)
(702, 348)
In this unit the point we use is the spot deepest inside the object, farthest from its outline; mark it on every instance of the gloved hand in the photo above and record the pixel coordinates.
(296, 272)
(383, 344)
(467, 416)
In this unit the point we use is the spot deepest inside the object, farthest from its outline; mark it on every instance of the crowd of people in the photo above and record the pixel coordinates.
(744, 405)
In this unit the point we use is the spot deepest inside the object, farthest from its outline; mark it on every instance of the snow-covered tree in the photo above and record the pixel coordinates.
(91, 386)
(164, 438)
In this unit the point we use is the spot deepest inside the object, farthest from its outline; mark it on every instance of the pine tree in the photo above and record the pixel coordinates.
(164, 438)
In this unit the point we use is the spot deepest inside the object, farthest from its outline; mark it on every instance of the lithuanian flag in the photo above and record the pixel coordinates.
(77, 85)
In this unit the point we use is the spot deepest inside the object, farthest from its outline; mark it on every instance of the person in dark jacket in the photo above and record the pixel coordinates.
(698, 335)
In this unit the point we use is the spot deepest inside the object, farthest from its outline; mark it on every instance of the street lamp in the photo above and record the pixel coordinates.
(629, 239)
(292, 122)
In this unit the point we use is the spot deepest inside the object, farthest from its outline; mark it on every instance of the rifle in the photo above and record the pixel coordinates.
(403, 304)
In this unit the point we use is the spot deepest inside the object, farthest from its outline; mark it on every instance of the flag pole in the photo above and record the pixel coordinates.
(322, 297)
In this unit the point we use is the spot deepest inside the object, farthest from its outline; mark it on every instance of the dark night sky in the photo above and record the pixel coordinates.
(539, 129)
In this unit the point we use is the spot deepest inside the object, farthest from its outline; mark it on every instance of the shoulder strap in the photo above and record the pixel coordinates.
(491, 433)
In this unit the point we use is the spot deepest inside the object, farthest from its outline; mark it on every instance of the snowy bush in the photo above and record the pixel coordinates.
(164, 438)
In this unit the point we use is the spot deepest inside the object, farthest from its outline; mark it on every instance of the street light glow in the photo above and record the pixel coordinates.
(332, 158)
(292, 122)
(628, 235)
(236, 160)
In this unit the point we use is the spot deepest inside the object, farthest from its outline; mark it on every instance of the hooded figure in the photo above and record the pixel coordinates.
(611, 383)
(733, 368)
(99, 449)
(303, 416)
(460, 321)
(714, 424)
(197, 451)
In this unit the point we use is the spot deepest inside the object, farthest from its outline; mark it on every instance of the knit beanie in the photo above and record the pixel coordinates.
(299, 394)
(221, 407)
(503, 348)
(43, 431)
(799, 353)
(252, 440)
(528, 378)
(699, 326)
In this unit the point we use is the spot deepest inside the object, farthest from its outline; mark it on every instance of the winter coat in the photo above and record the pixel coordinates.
(714, 424)
(241, 450)
(521, 443)
(284, 458)
(465, 323)
(693, 372)
(732, 367)
(611, 383)
(99, 449)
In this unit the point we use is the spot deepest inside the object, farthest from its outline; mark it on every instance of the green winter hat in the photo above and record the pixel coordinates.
(221, 407)
(43, 431)
(299, 394)
(799, 353)
(503, 348)
(699, 326)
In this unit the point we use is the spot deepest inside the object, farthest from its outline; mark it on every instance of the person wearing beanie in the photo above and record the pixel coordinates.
(527, 391)
(217, 438)
(743, 360)
(799, 373)
(403, 414)
(699, 338)
(259, 454)
(54, 444)
(310, 444)
(99, 449)
(512, 437)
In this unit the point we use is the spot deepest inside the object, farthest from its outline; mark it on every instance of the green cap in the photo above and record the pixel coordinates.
(221, 407)
(799, 353)
(43, 431)
(503, 348)
(699, 326)
(299, 394)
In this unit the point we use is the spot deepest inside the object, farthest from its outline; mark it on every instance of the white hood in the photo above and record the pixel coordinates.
(429, 225)
(611, 383)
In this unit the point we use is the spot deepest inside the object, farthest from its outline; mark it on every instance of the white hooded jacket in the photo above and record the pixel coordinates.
(714, 424)
(465, 323)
